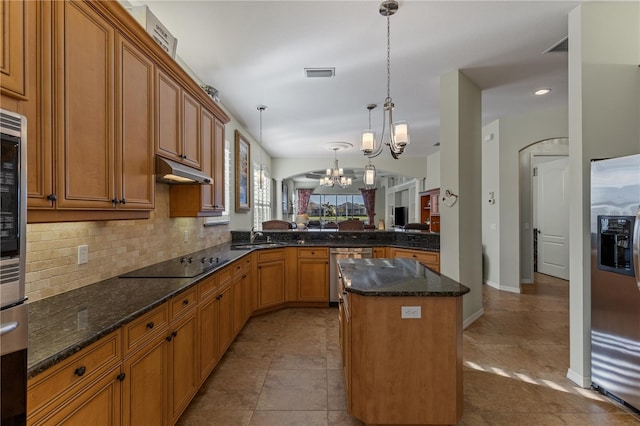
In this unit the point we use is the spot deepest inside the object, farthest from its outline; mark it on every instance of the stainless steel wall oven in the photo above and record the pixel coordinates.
(13, 309)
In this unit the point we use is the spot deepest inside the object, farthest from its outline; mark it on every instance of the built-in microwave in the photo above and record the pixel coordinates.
(13, 209)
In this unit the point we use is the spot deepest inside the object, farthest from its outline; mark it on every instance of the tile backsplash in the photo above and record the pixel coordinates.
(115, 247)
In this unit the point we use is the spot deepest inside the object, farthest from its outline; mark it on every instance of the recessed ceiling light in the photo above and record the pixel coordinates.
(541, 92)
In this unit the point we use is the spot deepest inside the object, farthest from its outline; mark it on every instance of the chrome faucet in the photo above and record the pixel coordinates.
(254, 234)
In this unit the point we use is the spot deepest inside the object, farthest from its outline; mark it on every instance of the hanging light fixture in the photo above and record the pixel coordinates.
(261, 174)
(335, 175)
(398, 133)
(369, 176)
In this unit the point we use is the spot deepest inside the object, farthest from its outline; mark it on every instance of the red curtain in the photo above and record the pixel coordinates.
(369, 197)
(303, 200)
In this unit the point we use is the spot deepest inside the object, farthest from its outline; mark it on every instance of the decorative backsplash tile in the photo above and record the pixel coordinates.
(115, 247)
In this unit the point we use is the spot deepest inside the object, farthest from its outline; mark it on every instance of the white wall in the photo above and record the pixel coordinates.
(604, 110)
(460, 237)
(491, 212)
(515, 133)
(433, 172)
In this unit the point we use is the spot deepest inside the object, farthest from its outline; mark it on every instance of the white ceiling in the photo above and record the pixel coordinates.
(254, 52)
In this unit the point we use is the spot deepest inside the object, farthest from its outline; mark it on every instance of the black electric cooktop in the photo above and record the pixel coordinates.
(184, 267)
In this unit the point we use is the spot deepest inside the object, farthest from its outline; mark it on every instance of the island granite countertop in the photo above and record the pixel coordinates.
(396, 278)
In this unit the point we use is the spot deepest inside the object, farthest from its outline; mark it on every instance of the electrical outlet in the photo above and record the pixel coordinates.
(83, 319)
(411, 312)
(83, 254)
(202, 232)
(186, 236)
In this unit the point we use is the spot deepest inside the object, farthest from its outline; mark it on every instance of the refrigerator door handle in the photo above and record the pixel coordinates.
(636, 247)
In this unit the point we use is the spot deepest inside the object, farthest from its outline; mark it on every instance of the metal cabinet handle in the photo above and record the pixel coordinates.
(123, 201)
(121, 376)
(150, 325)
(168, 338)
(185, 302)
(174, 334)
(52, 197)
(80, 371)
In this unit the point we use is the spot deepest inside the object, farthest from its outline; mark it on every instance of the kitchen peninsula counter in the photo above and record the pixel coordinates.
(401, 341)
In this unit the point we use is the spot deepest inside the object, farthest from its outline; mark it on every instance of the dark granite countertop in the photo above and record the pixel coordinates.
(396, 277)
(64, 324)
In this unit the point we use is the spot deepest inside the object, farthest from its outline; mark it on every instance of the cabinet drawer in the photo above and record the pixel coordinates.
(269, 255)
(315, 252)
(241, 266)
(143, 329)
(428, 258)
(74, 373)
(225, 275)
(183, 303)
(208, 287)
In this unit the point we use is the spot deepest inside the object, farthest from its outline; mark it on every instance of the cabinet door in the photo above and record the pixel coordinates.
(144, 389)
(270, 283)
(435, 203)
(85, 137)
(13, 48)
(207, 142)
(134, 148)
(168, 137)
(218, 166)
(183, 365)
(226, 320)
(40, 108)
(209, 340)
(191, 147)
(98, 404)
(313, 280)
(238, 305)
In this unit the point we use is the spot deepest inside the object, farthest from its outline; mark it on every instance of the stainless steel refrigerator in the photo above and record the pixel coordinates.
(615, 278)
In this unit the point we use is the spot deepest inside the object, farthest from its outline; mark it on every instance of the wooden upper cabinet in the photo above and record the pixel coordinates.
(13, 48)
(177, 122)
(85, 106)
(191, 144)
(135, 127)
(218, 167)
(168, 140)
(204, 200)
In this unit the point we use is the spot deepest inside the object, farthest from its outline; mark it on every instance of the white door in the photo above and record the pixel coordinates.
(552, 201)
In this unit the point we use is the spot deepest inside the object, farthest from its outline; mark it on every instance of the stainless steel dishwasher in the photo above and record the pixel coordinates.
(338, 253)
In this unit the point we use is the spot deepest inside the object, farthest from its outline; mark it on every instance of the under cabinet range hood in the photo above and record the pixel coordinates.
(168, 171)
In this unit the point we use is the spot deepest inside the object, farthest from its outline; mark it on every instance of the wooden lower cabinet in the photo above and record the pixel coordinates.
(313, 274)
(145, 385)
(97, 405)
(209, 324)
(225, 327)
(421, 356)
(82, 385)
(430, 259)
(271, 278)
(183, 365)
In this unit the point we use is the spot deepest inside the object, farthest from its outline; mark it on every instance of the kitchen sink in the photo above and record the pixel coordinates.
(255, 246)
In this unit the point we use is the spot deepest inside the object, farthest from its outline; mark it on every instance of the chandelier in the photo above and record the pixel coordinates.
(335, 176)
(394, 135)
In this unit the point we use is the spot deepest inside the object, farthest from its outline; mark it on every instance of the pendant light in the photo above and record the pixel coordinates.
(261, 173)
(335, 176)
(398, 133)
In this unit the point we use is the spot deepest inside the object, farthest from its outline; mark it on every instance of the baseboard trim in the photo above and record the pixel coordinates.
(472, 318)
(503, 287)
(582, 381)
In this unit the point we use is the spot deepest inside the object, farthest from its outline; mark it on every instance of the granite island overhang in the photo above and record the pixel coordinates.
(401, 342)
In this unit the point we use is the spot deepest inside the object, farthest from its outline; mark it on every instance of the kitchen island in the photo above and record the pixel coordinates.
(401, 342)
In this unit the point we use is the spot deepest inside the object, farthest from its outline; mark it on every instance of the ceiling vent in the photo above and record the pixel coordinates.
(320, 72)
(561, 46)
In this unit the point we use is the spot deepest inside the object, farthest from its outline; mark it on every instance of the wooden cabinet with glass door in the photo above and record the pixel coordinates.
(430, 209)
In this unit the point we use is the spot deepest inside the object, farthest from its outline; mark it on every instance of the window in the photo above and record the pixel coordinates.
(224, 218)
(336, 207)
(261, 197)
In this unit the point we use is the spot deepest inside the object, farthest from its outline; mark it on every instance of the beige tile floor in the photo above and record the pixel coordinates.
(284, 369)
